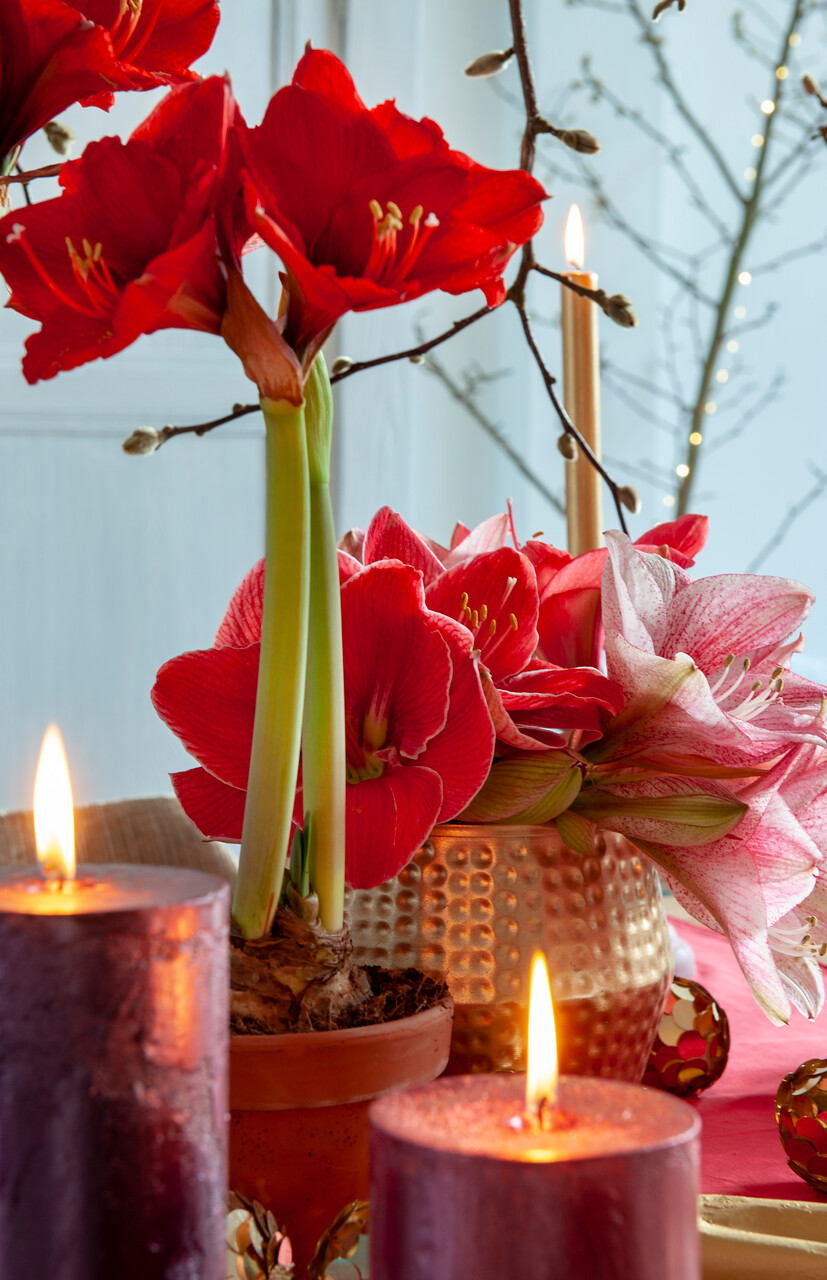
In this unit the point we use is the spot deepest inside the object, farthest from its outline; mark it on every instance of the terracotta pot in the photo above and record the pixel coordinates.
(299, 1108)
(474, 904)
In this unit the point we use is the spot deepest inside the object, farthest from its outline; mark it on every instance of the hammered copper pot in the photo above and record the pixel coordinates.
(477, 901)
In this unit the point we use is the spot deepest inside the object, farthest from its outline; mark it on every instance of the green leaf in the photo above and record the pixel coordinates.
(692, 818)
(577, 832)
(531, 787)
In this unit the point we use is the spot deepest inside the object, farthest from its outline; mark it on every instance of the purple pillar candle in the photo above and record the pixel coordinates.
(462, 1188)
(113, 1060)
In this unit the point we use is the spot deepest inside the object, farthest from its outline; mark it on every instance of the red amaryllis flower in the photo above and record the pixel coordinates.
(570, 622)
(368, 208)
(419, 737)
(132, 244)
(54, 53)
(492, 590)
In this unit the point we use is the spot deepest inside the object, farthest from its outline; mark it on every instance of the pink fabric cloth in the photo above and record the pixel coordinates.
(742, 1153)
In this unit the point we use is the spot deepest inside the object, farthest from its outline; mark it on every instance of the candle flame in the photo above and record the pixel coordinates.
(54, 821)
(541, 1078)
(575, 239)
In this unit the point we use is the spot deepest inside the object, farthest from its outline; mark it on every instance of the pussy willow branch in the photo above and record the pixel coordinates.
(28, 175)
(528, 150)
(411, 353)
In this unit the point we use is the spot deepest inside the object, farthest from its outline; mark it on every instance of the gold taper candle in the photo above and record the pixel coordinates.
(581, 388)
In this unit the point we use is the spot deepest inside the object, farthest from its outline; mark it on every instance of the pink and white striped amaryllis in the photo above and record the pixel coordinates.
(704, 666)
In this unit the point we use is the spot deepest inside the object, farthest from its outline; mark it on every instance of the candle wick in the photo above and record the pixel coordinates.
(541, 1115)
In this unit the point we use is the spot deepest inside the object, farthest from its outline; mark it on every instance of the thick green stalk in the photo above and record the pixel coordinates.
(274, 761)
(323, 739)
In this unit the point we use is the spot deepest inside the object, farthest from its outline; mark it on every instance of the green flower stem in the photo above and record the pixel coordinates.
(323, 751)
(274, 761)
(323, 739)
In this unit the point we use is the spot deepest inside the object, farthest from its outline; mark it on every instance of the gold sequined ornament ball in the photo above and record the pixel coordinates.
(801, 1112)
(692, 1044)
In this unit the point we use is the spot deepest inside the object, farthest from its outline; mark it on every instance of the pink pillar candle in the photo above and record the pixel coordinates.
(113, 1074)
(463, 1189)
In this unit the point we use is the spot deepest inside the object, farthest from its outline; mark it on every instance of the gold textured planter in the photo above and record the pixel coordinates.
(475, 903)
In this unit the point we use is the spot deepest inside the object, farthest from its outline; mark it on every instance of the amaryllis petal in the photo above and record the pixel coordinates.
(348, 566)
(495, 596)
(353, 544)
(802, 981)
(216, 808)
(398, 674)
(461, 753)
(132, 246)
(570, 627)
(733, 613)
(507, 731)
(156, 40)
(750, 880)
(669, 709)
(390, 538)
(322, 71)
(388, 818)
(196, 692)
(55, 52)
(684, 652)
(687, 536)
(241, 624)
(490, 535)
(548, 561)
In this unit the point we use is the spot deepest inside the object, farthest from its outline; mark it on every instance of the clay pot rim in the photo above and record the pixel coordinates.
(328, 1068)
(332, 1039)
